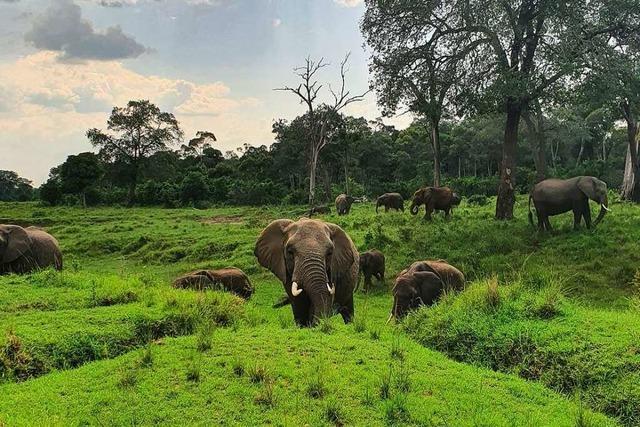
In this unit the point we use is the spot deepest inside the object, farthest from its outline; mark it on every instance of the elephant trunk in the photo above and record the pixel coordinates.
(415, 207)
(319, 289)
(604, 208)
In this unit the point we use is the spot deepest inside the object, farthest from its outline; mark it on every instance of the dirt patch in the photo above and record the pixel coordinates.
(223, 219)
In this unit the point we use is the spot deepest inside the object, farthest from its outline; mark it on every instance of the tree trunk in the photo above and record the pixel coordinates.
(346, 175)
(435, 143)
(628, 181)
(536, 132)
(313, 165)
(459, 166)
(84, 200)
(580, 152)
(631, 184)
(507, 188)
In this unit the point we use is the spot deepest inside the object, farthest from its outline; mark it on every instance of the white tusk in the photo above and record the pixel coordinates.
(605, 208)
(294, 289)
(389, 319)
(332, 290)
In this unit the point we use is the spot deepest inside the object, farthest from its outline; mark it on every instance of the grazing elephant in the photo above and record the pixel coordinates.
(555, 196)
(26, 249)
(343, 204)
(318, 210)
(371, 264)
(434, 198)
(422, 284)
(390, 201)
(316, 262)
(229, 279)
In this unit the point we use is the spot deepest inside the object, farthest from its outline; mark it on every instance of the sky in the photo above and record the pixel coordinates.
(64, 64)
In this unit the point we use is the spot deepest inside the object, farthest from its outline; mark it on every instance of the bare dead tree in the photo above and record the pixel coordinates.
(320, 116)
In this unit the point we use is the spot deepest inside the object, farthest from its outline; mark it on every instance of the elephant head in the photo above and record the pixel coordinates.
(414, 287)
(455, 199)
(595, 190)
(307, 256)
(14, 243)
(420, 197)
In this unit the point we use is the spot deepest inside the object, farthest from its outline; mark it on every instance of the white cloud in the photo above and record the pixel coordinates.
(349, 3)
(276, 22)
(46, 107)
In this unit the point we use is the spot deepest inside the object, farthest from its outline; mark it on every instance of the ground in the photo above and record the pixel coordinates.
(108, 341)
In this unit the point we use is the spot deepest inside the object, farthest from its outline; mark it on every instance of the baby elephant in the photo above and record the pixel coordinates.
(371, 264)
(343, 204)
(26, 249)
(390, 201)
(228, 279)
(422, 284)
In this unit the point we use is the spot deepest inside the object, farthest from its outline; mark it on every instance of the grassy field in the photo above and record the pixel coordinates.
(546, 333)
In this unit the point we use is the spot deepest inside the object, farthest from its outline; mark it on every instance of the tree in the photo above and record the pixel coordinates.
(14, 188)
(319, 117)
(525, 48)
(79, 173)
(137, 131)
(414, 62)
(197, 146)
(194, 187)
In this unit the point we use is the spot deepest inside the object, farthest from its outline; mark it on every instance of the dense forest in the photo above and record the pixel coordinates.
(364, 158)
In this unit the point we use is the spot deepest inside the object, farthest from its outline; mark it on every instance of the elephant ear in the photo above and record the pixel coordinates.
(587, 185)
(425, 281)
(270, 248)
(343, 254)
(18, 243)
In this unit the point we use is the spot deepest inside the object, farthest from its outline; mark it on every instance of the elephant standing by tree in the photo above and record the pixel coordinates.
(434, 198)
(372, 263)
(422, 284)
(316, 262)
(555, 196)
(229, 279)
(390, 201)
(26, 249)
(343, 204)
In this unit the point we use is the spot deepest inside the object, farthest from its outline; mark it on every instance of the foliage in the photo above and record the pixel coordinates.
(14, 188)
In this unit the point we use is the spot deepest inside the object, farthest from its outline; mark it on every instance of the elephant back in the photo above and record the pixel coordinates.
(45, 249)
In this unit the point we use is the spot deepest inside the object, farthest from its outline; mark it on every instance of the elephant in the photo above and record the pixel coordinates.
(316, 262)
(434, 198)
(422, 284)
(26, 249)
(390, 201)
(233, 280)
(343, 204)
(555, 196)
(371, 264)
(317, 210)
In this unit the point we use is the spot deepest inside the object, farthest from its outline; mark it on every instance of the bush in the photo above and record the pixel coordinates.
(194, 187)
(469, 185)
(51, 192)
(478, 200)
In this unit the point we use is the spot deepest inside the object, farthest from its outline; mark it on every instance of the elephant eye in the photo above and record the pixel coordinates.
(290, 250)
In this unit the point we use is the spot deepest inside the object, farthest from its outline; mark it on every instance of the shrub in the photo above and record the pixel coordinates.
(478, 200)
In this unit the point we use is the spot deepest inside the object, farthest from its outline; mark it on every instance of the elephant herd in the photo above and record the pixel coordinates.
(317, 262)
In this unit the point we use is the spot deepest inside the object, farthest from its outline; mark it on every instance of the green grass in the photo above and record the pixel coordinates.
(538, 334)
(120, 391)
(100, 331)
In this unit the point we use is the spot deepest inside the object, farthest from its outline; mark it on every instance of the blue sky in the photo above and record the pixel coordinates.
(214, 63)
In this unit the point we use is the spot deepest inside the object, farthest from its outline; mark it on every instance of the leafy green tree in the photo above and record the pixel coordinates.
(14, 188)
(79, 173)
(136, 132)
(194, 187)
(51, 191)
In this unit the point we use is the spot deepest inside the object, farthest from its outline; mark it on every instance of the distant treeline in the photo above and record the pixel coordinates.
(363, 158)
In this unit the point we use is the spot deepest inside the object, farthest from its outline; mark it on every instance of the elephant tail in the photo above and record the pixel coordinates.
(530, 212)
(377, 204)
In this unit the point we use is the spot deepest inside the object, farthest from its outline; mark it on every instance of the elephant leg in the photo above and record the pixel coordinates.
(367, 281)
(586, 214)
(347, 311)
(577, 215)
(447, 213)
(547, 224)
(428, 212)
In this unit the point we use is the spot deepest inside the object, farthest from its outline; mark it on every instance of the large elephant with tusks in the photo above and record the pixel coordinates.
(555, 196)
(316, 262)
